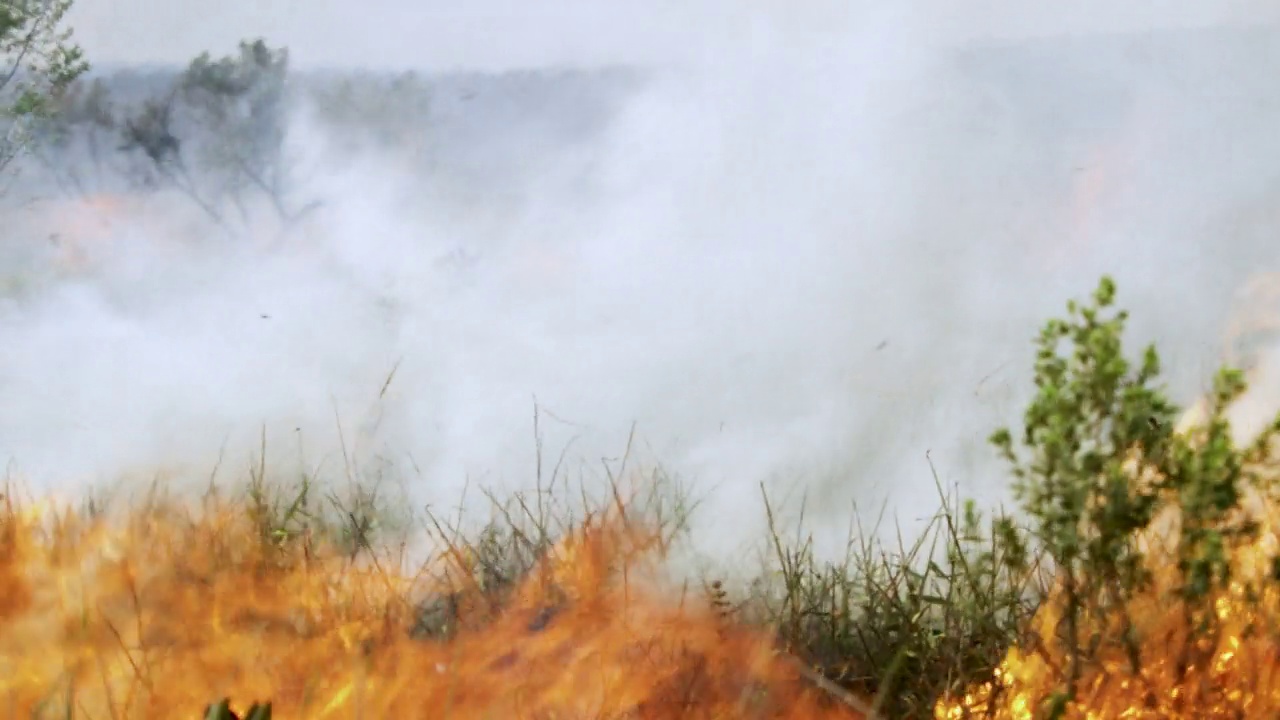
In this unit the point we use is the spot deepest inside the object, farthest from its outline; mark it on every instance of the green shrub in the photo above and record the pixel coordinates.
(1098, 458)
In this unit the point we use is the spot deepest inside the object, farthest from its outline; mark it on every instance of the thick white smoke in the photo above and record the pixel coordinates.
(807, 253)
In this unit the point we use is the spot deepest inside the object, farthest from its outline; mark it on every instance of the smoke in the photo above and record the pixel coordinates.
(810, 252)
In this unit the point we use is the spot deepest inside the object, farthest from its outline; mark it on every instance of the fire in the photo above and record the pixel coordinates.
(1232, 672)
(1180, 668)
(1101, 182)
(158, 614)
(83, 225)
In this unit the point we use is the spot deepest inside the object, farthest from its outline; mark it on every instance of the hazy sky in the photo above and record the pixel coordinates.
(494, 34)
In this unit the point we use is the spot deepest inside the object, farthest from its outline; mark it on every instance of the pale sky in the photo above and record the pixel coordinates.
(499, 34)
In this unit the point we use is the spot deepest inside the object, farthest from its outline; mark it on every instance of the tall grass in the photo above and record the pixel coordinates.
(1102, 473)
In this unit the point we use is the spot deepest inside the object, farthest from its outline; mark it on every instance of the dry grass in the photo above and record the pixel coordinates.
(313, 600)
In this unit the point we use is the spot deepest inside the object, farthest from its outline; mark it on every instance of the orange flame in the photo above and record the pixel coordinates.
(1229, 673)
(1185, 661)
(1099, 183)
(82, 226)
(161, 614)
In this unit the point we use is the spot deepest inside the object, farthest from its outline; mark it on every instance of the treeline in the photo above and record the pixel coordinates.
(215, 130)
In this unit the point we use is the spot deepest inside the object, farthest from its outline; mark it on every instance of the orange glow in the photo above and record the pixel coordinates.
(1184, 670)
(1099, 183)
(156, 616)
(82, 225)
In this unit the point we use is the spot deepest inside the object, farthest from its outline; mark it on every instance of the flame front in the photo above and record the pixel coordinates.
(1231, 674)
(1212, 658)
(160, 615)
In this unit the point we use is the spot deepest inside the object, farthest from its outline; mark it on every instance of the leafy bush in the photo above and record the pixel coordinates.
(38, 61)
(1114, 491)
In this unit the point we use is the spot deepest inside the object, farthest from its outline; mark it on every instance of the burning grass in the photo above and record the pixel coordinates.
(155, 616)
(1139, 580)
(1216, 659)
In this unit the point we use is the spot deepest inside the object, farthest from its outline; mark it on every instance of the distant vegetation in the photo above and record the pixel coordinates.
(216, 131)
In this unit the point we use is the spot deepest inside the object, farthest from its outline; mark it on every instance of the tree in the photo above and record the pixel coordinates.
(371, 113)
(239, 101)
(38, 61)
(77, 145)
(218, 136)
